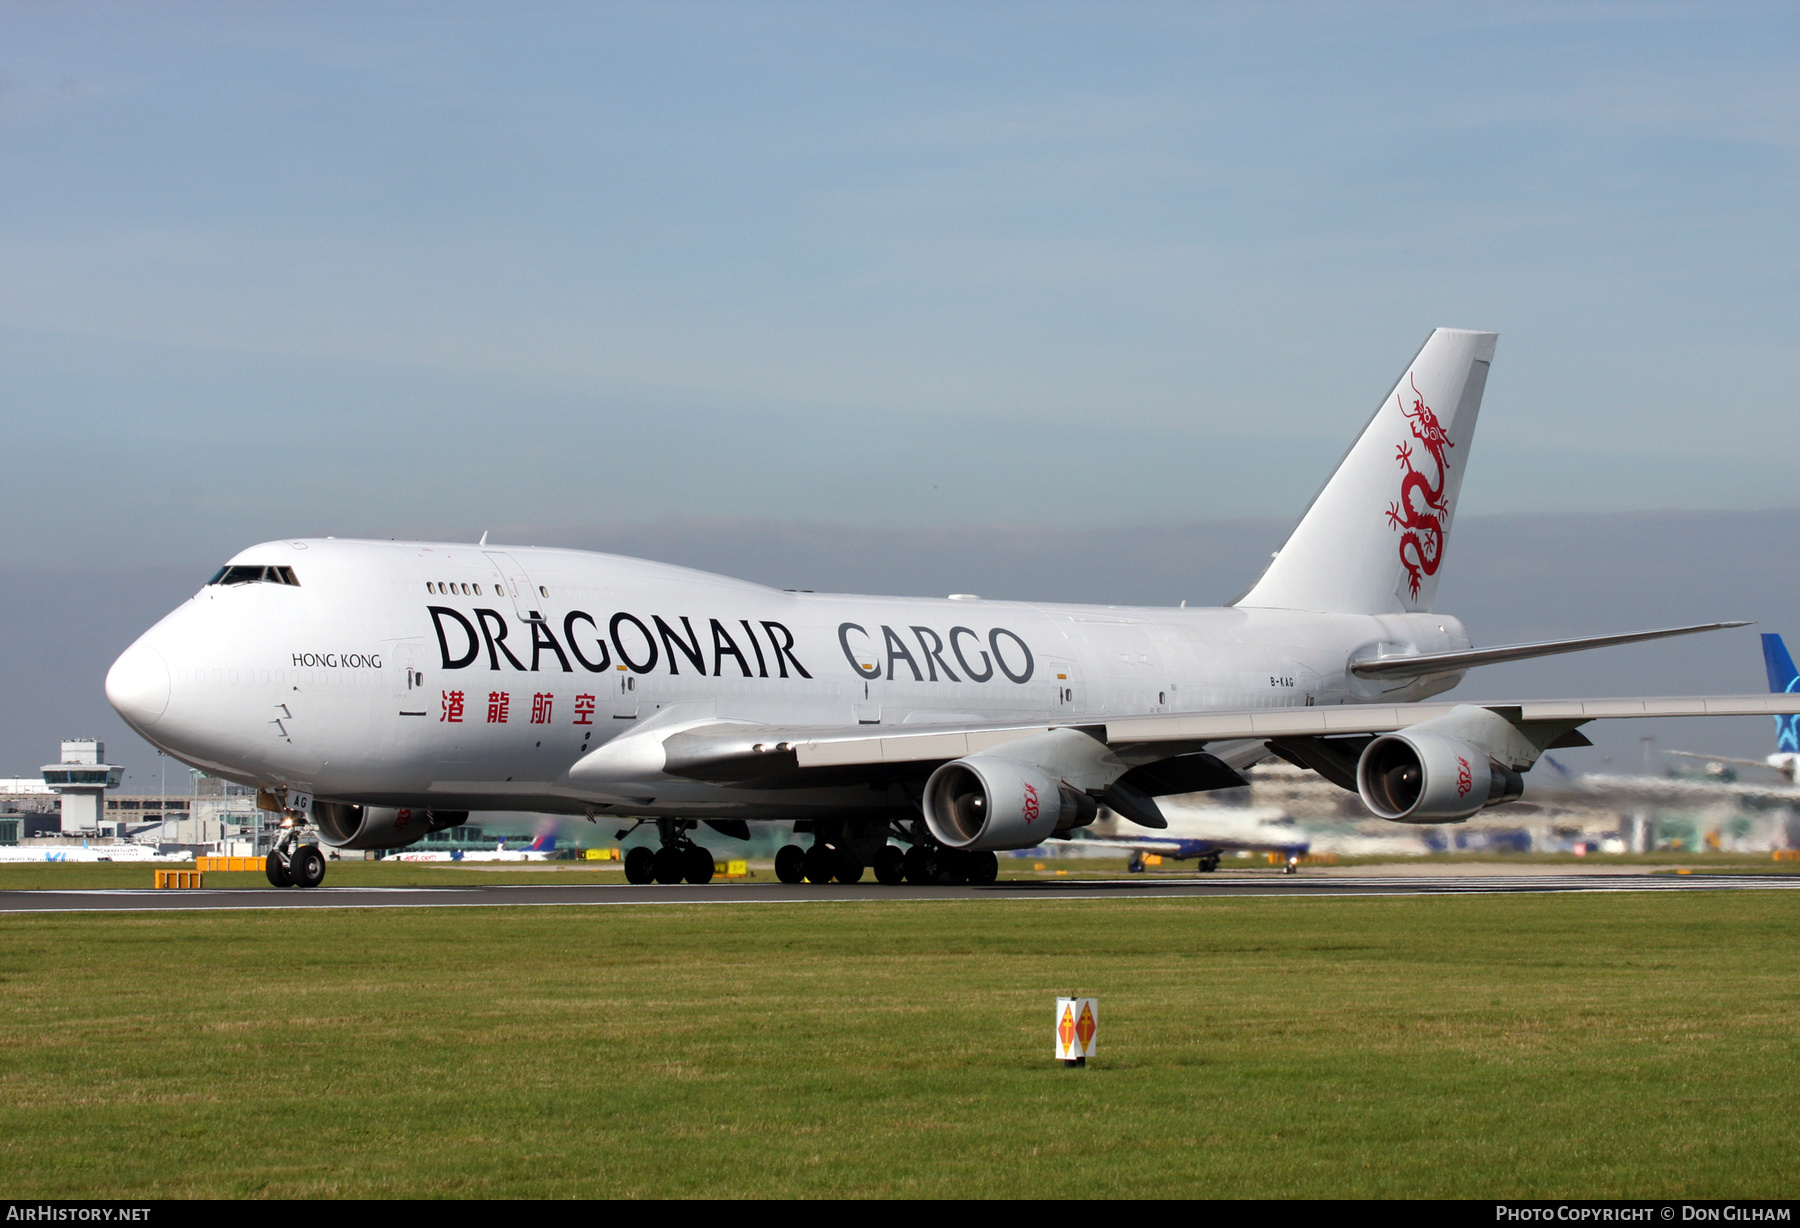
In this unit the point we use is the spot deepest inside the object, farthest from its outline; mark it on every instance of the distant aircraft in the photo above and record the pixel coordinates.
(541, 848)
(1205, 833)
(1783, 679)
(380, 690)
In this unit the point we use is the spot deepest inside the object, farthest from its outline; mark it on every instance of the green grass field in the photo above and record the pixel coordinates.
(78, 876)
(1627, 1044)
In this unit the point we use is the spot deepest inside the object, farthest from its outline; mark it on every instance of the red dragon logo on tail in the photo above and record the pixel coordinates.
(1420, 510)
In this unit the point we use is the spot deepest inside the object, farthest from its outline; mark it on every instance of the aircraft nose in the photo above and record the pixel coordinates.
(137, 685)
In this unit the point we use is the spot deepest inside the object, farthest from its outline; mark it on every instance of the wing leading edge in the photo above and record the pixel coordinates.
(735, 751)
(1420, 664)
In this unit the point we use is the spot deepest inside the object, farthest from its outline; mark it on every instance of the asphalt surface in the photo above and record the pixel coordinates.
(1134, 888)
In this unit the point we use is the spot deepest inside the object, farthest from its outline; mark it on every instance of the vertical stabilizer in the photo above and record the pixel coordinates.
(1373, 540)
(1782, 677)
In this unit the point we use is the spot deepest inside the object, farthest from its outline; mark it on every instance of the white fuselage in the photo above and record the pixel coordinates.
(464, 677)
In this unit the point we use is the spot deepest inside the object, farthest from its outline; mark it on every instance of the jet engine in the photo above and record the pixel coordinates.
(1422, 776)
(984, 803)
(344, 826)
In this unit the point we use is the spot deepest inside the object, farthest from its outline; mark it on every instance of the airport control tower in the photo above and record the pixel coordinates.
(82, 780)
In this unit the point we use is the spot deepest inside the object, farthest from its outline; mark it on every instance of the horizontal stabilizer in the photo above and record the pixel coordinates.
(1451, 662)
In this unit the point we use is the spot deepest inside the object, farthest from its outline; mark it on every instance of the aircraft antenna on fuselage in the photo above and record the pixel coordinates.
(483, 540)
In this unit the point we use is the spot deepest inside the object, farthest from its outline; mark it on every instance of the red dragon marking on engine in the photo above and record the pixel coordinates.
(1465, 779)
(1420, 509)
(1031, 804)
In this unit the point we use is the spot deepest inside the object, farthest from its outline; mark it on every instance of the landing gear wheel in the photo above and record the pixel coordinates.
(1209, 863)
(790, 864)
(984, 868)
(917, 864)
(890, 866)
(699, 865)
(821, 864)
(849, 869)
(953, 868)
(669, 866)
(278, 873)
(640, 865)
(306, 866)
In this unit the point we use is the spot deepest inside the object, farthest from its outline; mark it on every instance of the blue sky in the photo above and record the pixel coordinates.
(426, 270)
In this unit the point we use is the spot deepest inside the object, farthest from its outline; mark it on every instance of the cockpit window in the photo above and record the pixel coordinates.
(255, 575)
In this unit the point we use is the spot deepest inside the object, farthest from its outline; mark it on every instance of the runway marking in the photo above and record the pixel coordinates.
(531, 895)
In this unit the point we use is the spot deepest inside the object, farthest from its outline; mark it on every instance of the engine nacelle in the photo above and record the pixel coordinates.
(1421, 776)
(985, 804)
(343, 826)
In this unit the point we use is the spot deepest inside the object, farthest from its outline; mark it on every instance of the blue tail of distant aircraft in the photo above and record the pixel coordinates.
(545, 843)
(1782, 677)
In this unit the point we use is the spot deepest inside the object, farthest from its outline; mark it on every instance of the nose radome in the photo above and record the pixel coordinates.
(137, 685)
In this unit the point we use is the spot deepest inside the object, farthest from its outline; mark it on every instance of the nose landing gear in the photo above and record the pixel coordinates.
(291, 863)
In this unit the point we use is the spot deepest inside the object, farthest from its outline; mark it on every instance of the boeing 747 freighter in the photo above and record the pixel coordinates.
(376, 691)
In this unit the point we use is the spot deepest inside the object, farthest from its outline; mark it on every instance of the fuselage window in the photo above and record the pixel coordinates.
(542, 591)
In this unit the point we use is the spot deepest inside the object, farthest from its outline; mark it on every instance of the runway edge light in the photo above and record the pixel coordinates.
(1077, 1030)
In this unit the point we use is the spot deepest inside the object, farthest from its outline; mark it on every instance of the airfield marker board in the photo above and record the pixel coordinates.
(1077, 1029)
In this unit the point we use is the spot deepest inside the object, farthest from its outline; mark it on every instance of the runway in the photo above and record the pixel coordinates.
(1208, 886)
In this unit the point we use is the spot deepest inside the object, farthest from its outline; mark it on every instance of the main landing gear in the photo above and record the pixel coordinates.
(941, 867)
(291, 863)
(921, 865)
(822, 863)
(678, 860)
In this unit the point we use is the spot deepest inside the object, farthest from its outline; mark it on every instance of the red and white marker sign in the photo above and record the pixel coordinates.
(1077, 1027)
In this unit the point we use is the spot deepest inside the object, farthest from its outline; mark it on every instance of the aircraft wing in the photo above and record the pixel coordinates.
(930, 743)
(1661, 790)
(1763, 764)
(1181, 848)
(1420, 664)
(742, 751)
